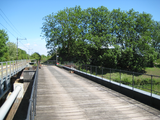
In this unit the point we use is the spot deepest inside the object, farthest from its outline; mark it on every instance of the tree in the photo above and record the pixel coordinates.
(36, 56)
(79, 35)
(156, 37)
(12, 50)
(3, 46)
(22, 54)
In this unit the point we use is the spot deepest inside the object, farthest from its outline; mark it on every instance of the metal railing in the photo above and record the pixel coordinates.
(7, 70)
(145, 82)
(33, 98)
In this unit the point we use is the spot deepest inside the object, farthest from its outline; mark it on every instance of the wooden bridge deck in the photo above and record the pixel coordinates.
(65, 96)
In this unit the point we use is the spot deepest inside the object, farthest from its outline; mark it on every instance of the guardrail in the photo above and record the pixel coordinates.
(32, 102)
(145, 82)
(7, 105)
(7, 70)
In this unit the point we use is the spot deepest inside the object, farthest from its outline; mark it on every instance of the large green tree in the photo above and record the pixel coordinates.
(86, 36)
(3, 47)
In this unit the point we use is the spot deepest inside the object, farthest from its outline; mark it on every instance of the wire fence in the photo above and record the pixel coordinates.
(145, 82)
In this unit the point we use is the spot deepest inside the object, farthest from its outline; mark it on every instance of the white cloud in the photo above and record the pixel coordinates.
(35, 44)
(28, 44)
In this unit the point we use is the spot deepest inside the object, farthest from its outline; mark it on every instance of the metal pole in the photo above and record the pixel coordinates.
(151, 85)
(10, 69)
(102, 72)
(110, 74)
(6, 106)
(91, 69)
(120, 77)
(86, 68)
(6, 82)
(1, 78)
(56, 57)
(96, 70)
(133, 81)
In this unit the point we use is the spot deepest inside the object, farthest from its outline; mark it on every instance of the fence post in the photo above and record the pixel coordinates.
(102, 72)
(91, 69)
(1, 78)
(96, 70)
(110, 74)
(86, 69)
(120, 77)
(151, 85)
(133, 81)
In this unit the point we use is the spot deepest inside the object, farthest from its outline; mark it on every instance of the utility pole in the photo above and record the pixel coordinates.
(17, 45)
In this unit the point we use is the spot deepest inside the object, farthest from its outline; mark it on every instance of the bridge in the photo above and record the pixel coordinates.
(62, 94)
(7, 70)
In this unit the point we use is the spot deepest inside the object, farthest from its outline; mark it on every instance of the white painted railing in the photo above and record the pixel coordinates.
(7, 70)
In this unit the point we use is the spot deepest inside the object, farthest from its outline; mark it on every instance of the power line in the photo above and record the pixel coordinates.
(7, 30)
(23, 45)
(11, 23)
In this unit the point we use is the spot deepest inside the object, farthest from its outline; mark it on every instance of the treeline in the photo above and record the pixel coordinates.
(8, 50)
(117, 39)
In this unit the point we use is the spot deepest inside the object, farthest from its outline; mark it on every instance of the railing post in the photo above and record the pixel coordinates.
(6, 69)
(120, 77)
(151, 84)
(86, 68)
(16, 65)
(96, 70)
(133, 81)
(7, 81)
(91, 69)
(102, 72)
(13, 66)
(10, 68)
(1, 78)
(110, 74)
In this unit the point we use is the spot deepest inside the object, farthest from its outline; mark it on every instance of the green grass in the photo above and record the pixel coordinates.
(153, 71)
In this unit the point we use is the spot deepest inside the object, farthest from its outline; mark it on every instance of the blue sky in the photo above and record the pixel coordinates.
(26, 16)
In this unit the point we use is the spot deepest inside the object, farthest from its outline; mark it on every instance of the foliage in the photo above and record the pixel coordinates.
(22, 54)
(36, 56)
(3, 46)
(86, 36)
(156, 37)
(12, 49)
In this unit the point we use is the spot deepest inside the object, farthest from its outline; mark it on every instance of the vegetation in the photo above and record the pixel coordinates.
(3, 46)
(36, 56)
(116, 39)
(8, 50)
